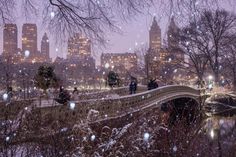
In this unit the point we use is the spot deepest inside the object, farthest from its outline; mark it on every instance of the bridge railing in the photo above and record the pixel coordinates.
(102, 94)
(108, 107)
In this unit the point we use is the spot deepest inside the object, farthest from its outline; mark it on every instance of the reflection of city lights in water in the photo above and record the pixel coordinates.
(212, 134)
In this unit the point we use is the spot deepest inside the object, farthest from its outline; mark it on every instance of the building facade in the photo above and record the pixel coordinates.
(152, 58)
(45, 48)
(113, 60)
(10, 39)
(29, 40)
(79, 47)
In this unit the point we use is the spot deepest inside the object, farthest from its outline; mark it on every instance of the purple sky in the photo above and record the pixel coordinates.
(135, 34)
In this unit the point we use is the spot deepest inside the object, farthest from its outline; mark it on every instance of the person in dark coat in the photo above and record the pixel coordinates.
(63, 97)
(133, 87)
(152, 84)
(75, 91)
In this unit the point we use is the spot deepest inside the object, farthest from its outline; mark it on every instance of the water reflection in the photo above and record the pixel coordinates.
(217, 137)
(219, 125)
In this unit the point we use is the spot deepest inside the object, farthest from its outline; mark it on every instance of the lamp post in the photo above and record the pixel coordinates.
(210, 83)
(107, 65)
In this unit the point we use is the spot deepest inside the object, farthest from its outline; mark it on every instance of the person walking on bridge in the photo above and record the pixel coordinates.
(133, 87)
(152, 84)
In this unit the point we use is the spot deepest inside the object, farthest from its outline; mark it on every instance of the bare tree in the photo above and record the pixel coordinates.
(93, 17)
(192, 46)
(229, 60)
(214, 28)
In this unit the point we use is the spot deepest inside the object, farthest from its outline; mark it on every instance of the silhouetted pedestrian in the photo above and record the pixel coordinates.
(152, 84)
(133, 87)
(63, 97)
(75, 91)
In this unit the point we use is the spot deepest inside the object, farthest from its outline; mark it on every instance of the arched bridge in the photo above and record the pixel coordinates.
(113, 107)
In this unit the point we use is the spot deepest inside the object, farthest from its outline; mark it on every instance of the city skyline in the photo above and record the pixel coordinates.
(134, 34)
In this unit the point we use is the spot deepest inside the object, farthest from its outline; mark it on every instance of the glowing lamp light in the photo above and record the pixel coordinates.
(107, 65)
(210, 77)
(212, 134)
(27, 53)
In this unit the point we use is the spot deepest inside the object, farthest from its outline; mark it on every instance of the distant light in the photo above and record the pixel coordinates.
(212, 134)
(107, 65)
(210, 86)
(72, 105)
(210, 77)
(7, 138)
(27, 53)
(93, 137)
(56, 49)
(174, 148)
(146, 136)
(5, 97)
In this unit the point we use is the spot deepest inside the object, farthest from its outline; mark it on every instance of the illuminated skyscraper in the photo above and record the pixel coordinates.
(45, 47)
(84, 47)
(155, 36)
(10, 39)
(73, 46)
(29, 39)
(173, 30)
(79, 47)
(152, 58)
(173, 41)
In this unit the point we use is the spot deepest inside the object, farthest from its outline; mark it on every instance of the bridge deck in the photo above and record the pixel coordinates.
(108, 107)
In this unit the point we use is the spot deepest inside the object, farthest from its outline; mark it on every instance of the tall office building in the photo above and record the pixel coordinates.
(10, 39)
(79, 47)
(173, 42)
(155, 36)
(73, 46)
(152, 58)
(29, 39)
(84, 47)
(45, 47)
(172, 34)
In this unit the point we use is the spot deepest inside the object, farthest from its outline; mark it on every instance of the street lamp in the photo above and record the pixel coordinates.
(210, 78)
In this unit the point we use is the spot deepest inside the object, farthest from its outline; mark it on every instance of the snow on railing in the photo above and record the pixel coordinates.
(109, 107)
